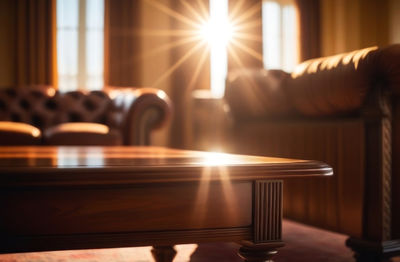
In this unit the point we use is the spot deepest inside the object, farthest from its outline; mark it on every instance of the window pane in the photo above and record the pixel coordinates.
(67, 44)
(94, 43)
(67, 13)
(218, 48)
(67, 55)
(94, 59)
(290, 53)
(95, 14)
(271, 21)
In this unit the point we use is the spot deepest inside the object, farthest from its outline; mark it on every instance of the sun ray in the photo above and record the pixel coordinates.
(248, 13)
(198, 68)
(235, 56)
(236, 9)
(250, 37)
(165, 9)
(247, 25)
(203, 9)
(228, 192)
(178, 63)
(161, 32)
(201, 19)
(248, 50)
(169, 46)
(202, 195)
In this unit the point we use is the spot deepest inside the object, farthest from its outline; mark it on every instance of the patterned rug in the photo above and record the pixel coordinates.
(303, 243)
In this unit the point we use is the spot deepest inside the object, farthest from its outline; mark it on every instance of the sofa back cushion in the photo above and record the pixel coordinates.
(43, 106)
(29, 105)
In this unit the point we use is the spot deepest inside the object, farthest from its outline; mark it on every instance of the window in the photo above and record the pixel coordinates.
(280, 45)
(218, 49)
(80, 41)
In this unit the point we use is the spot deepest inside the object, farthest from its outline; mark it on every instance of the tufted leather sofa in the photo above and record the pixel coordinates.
(115, 116)
(343, 110)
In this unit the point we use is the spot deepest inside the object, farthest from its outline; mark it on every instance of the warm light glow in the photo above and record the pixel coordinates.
(218, 31)
(218, 159)
(213, 32)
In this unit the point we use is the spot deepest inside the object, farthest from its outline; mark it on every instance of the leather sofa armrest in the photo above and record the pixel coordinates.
(327, 86)
(138, 111)
(341, 84)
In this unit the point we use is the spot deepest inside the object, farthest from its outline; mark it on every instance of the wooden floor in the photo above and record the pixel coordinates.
(303, 243)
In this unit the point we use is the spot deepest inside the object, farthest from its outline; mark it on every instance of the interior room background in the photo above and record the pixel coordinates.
(156, 43)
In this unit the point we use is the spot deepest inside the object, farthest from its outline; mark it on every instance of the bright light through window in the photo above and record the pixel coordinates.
(80, 27)
(218, 31)
(280, 48)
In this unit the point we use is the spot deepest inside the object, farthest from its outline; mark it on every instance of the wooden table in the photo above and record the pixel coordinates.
(55, 198)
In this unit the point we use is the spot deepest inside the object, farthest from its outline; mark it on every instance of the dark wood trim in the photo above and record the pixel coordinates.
(376, 244)
(378, 172)
(13, 244)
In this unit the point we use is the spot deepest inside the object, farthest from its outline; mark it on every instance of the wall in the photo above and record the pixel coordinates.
(394, 26)
(7, 43)
(349, 25)
(155, 57)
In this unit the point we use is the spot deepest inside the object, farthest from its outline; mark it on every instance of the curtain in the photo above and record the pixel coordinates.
(309, 29)
(35, 42)
(122, 43)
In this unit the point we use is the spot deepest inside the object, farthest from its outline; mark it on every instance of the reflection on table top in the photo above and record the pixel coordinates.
(134, 160)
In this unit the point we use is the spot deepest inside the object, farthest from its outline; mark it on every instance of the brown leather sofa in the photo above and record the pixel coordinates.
(343, 110)
(37, 115)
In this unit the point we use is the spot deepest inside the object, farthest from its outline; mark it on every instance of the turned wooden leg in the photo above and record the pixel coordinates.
(251, 255)
(163, 253)
(259, 252)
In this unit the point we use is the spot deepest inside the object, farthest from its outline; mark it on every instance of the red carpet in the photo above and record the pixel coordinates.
(303, 243)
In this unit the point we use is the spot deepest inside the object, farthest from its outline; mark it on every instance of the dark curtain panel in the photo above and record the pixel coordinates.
(122, 43)
(35, 39)
(309, 28)
(245, 51)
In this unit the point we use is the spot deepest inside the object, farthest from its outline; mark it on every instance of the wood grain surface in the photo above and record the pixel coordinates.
(125, 165)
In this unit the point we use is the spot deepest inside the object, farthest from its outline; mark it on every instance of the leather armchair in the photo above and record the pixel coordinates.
(41, 115)
(343, 110)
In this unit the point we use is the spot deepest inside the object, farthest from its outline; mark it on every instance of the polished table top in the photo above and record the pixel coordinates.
(142, 164)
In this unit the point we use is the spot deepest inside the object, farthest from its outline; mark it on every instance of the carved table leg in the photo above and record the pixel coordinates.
(259, 252)
(267, 222)
(163, 253)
